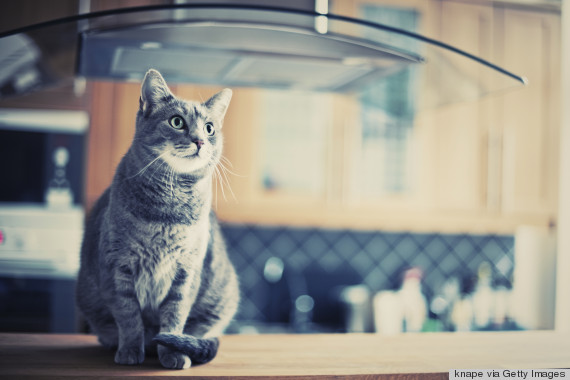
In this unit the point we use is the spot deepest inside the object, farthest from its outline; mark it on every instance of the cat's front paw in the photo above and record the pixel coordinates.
(129, 356)
(173, 359)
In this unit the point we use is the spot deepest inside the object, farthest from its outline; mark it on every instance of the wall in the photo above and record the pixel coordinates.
(374, 258)
(563, 267)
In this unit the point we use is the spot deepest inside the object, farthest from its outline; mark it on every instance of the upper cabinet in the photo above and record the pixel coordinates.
(280, 163)
(529, 42)
(377, 159)
(460, 132)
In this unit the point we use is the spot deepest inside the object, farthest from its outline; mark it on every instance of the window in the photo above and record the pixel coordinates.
(295, 125)
(384, 164)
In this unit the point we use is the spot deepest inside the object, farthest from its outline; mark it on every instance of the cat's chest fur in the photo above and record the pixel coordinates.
(159, 254)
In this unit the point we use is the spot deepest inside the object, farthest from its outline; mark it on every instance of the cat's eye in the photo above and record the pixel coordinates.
(176, 122)
(209, 129)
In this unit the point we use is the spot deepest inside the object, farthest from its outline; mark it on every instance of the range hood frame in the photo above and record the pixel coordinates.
(91, 29)
(238, 53)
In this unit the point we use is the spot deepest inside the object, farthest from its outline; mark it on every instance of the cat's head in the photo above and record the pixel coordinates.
(187, 135)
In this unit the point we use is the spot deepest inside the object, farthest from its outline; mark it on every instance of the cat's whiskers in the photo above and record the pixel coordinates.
(159, 167)
(214, 201)
(215, 184)
(220, 181)
(224, 161)
(228, 183)
(148, 165)
(223, 172)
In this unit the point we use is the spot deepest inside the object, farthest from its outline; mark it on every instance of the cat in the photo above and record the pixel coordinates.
(154, 273)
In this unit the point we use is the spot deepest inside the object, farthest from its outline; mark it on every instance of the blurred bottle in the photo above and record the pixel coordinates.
(414, 304)
(443, 303)
(462, 314)
(502, 308)
(355, 301)
(58, 194)
(483, 298)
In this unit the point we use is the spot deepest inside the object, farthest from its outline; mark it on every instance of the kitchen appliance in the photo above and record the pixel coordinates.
(41, 217)
(42, 165)
(245, 44)
(48, 148)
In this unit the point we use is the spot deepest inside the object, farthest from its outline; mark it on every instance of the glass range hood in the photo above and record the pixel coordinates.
(240, 45)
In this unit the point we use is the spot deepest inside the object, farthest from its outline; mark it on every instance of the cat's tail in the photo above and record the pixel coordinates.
(200, 350)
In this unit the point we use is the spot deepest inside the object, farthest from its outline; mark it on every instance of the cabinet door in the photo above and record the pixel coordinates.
(280, 147)
(530, 117)
(383, 165)
(460, 144)
(112, 126)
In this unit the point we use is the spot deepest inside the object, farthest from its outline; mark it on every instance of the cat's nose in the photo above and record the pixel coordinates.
(198, 143)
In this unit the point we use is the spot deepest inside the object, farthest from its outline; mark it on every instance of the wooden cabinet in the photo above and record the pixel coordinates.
(498, 157)
(281, 153)
(460, 130)
(113, 111)
(530, 43)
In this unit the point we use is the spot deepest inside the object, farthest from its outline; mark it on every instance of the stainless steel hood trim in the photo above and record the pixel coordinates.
(142, 9)
(394, 52)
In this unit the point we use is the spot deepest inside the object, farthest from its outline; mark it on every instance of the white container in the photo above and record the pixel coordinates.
(388, 313)
(533, 294)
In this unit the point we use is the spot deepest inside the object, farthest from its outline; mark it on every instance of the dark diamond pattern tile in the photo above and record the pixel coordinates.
(450, 264)
(376, 247)
(364, 237)
(475, 261)
(378, 257)
(422, 240)
(250, 242)
(330, 263)
(391, 263)
(315, 246)
(363, 264)
(435, 248)
(423, 261)
(346, 246)
(377, 279)
(406, 248)
(298, 261)
(464, 248)
(283, 245)
(489, 250)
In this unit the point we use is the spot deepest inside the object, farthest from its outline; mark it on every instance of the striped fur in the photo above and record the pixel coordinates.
(153, 260)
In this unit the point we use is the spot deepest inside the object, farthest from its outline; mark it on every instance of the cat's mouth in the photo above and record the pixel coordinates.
(191, 152)
(188, 159)
(188, 155)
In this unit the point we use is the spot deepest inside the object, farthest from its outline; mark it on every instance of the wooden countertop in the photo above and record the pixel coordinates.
(360, 356)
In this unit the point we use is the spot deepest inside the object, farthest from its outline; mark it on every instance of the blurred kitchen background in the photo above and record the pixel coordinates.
(365, 212)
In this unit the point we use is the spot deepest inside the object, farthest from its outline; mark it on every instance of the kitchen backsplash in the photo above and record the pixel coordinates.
(374, 258)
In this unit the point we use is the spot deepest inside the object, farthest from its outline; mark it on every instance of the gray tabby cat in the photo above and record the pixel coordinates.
(154, 272)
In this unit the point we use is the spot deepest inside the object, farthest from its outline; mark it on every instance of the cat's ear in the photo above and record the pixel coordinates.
(218, 104)
(153, 90)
